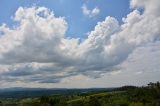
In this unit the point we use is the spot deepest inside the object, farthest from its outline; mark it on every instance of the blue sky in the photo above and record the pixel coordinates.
(95, 49)
(78, 24)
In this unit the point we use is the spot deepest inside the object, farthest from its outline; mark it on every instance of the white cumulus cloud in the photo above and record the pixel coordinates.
(37, 50)
(90, 13)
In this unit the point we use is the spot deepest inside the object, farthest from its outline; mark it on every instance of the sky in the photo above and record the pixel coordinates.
(79, 44)
(79, 24)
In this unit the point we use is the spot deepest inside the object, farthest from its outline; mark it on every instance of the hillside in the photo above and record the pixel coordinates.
(124, 96)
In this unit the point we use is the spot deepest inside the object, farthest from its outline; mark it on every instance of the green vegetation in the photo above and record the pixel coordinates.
(125, 96)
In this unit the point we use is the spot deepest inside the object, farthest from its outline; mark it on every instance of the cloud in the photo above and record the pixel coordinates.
(148, 62)
(90, 13)
(39, 29)
(37, 50)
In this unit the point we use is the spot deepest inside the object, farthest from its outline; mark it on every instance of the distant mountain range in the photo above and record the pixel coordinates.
(18, 92)
(54, 89)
